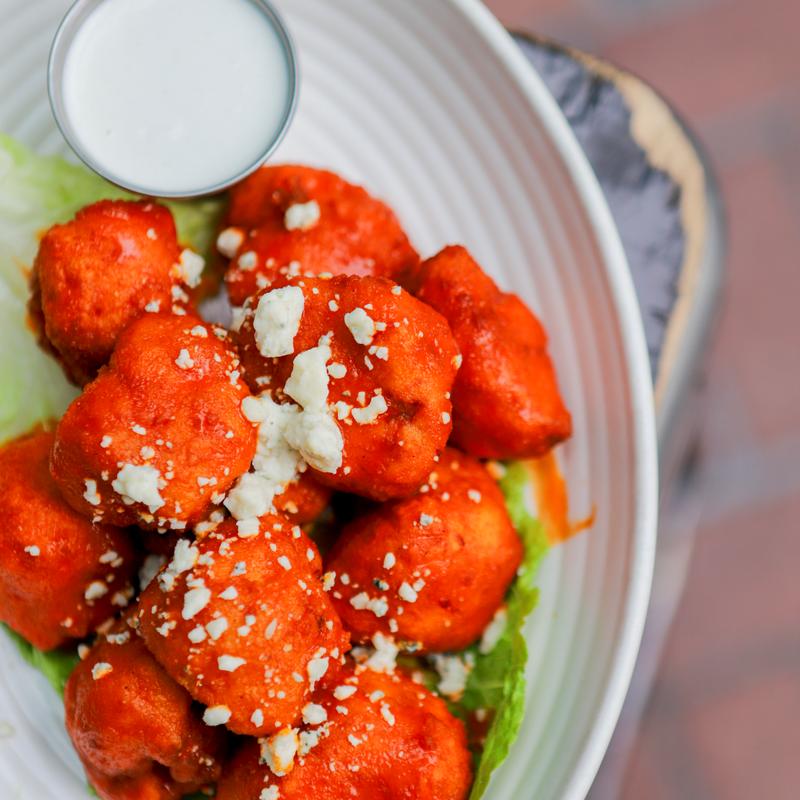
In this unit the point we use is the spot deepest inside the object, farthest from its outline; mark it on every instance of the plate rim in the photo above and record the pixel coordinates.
(640, 394)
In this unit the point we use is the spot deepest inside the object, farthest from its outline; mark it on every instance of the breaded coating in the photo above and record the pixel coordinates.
(240, 619)
(289, 218)
(136, 731)
(94, 275)
(506, 399)
(60, 575)
(430, 570)
(303, 499)
(159, 435)
(369, 735)
(363, 356)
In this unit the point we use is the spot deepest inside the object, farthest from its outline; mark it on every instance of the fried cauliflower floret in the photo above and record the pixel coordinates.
(94, 275)
(241, 620)
(370, 735)
(159, 435)
(136, 731)
(431, 570)
(303, 499)
(506, 400)
(60, 575)
(371, 368)
(312, 220)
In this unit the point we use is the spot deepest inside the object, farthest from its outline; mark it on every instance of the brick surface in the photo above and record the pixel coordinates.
(759, 333)
(741, 606)
(722, 56)
(748, 739)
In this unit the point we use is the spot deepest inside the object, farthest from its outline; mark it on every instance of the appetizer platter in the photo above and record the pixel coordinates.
(281, 465)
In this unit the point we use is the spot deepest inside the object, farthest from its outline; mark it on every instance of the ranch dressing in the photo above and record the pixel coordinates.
(173, 97)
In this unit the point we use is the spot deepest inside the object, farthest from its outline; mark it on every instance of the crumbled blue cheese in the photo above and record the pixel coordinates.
(277, 319)
(308, 383)
(251, 497)
(228, 663)
(361, 325)
(302, 216)
(337, 370)
(216, 715)
(314, 714)
(317, 667)
(453, 673)
(247, 261)
(190, 267)
(101, 669)
(279, 750)
(371, 412)
(407, 593)
(229, 241)
(195, 600)
(257, 718)
(363, 602)
(217, 627)
(90, 495)
(184, 557)
(95, 590)
(139, 484)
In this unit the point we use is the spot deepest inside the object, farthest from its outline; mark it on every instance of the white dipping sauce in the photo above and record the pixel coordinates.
(175, 96)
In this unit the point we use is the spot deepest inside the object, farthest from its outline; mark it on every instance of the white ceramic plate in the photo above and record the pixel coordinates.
(430, 105)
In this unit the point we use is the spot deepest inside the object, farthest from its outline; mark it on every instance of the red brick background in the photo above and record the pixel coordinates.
(723, 721)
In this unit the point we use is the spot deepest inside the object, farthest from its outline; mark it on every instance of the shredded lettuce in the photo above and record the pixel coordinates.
(39, 191)
(497, 681)
(35, 193)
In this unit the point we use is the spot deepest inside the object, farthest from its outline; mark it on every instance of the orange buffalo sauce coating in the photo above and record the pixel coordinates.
(60, 575)
(432, 569)
(159, 436)
(241, 620)
(391, 364)
(506, 402)
(367, 734)
(136, 731)
(552, 500)
(303, 500)
(97, 273)
(336, 228)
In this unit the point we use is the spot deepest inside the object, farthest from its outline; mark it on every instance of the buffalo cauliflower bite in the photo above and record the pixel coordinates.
(286, 218)
(159, 436)
(302, 499)
(60, 575)
(363, 373)
(367, 734)
(506, 400)
(92, 276)
(136, 731)
(241, 619)
(431, 570)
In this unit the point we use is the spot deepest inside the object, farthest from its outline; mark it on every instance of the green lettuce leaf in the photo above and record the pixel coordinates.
(497, 681)
(35, 193)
